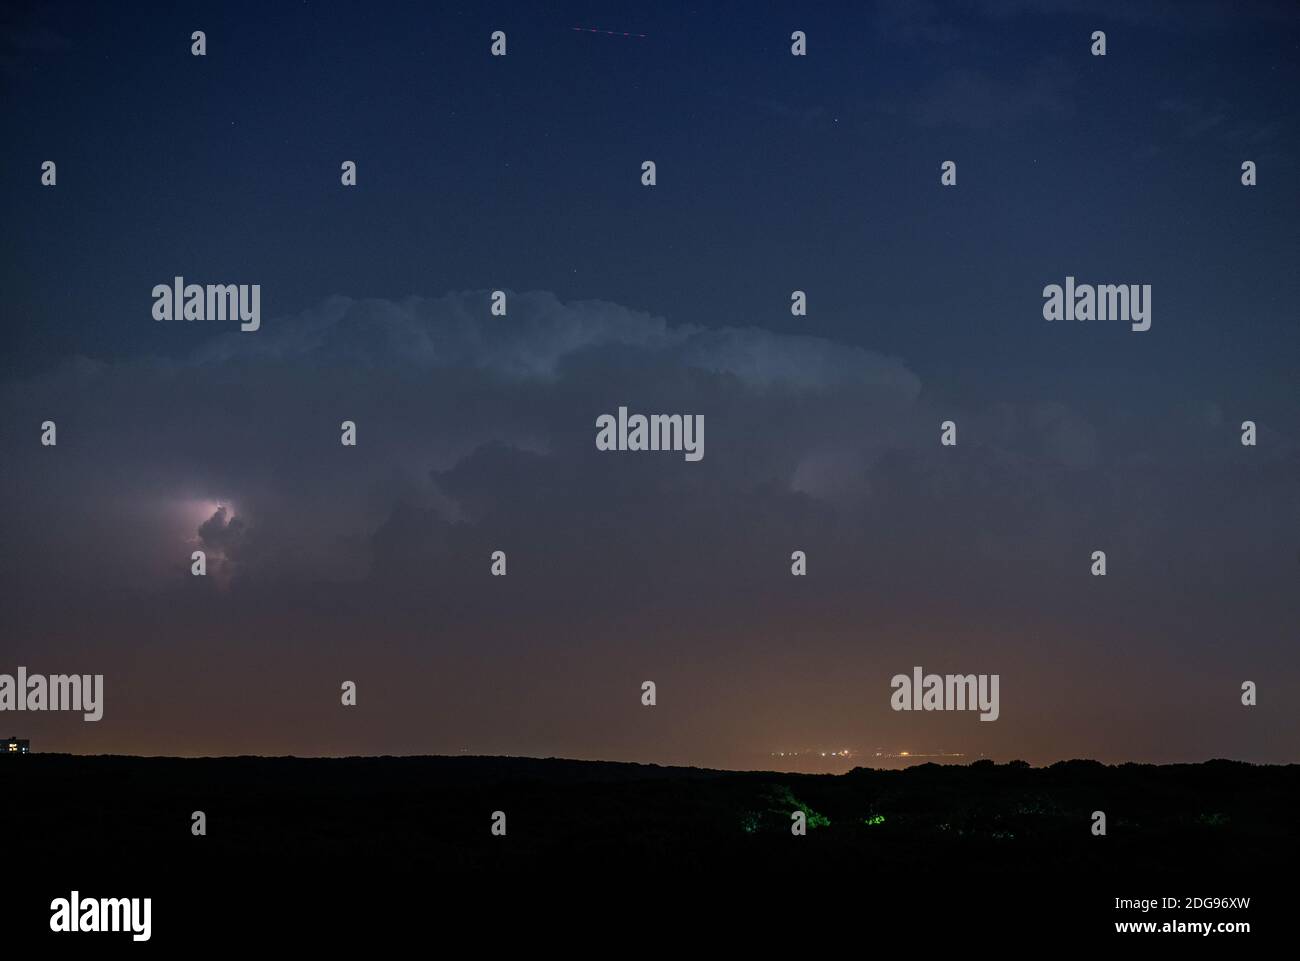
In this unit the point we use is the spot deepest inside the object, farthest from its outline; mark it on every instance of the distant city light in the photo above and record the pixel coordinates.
(820, 753)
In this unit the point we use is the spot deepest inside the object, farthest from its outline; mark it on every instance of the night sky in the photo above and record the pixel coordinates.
(476, 433)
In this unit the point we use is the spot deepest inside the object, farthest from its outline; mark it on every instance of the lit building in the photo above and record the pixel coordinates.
(14, 745)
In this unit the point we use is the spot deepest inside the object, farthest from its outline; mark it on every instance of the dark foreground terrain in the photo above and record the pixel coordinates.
(350, 847)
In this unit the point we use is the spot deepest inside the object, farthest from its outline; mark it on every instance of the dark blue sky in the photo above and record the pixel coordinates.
(775, 173)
